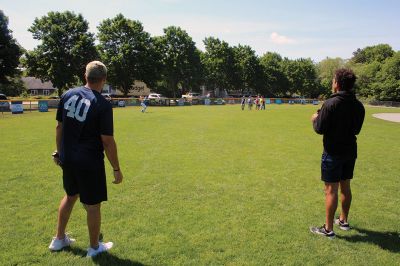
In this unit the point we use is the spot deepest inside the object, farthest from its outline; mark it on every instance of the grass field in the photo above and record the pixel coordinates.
(204, 185)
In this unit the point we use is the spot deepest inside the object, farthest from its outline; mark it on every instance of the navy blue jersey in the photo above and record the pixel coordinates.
(85, 115)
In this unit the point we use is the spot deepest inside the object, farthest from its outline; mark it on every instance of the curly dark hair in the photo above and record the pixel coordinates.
(345, 78)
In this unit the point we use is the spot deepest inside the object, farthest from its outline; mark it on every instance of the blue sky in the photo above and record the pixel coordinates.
(314, 29)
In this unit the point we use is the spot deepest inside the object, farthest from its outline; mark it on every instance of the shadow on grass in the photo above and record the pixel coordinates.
(389, 241)
(104, 258)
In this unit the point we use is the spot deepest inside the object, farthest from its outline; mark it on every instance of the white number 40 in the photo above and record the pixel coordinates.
(75, 111)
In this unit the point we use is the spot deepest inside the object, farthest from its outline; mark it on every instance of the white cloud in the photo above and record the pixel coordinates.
(280, 39)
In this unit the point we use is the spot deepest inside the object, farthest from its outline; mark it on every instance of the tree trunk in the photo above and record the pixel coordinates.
(172, 86)
(125, 89)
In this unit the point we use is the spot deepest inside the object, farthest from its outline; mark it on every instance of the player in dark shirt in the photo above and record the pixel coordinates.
(243, 102)
(84, 132)
(339, 120)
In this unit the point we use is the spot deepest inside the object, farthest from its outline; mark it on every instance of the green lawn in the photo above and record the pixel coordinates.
(204, 185)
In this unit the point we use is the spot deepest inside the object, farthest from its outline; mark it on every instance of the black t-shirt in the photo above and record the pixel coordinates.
(340, 120)
(85, 115)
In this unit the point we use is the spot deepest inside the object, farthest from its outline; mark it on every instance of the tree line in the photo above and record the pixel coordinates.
(171, 64)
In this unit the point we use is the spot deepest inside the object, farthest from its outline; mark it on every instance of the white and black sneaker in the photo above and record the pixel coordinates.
(322, 231)
(342, 225)
(58, 244)
(103, 247)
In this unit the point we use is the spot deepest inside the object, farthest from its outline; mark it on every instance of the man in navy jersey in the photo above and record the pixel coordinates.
(84, 132)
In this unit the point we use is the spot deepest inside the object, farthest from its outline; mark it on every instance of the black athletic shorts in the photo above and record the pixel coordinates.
(89, 182)
(336, 168)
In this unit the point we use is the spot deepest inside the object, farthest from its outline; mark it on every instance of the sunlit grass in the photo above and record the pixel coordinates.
(204, 185)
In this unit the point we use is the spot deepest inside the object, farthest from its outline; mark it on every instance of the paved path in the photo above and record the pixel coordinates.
(393, 117)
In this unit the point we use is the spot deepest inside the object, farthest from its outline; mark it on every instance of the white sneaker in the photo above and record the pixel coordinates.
(58, 244)
(342, 225)
(103, 247)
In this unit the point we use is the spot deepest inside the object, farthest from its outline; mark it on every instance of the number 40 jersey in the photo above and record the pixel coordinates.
(85, 115)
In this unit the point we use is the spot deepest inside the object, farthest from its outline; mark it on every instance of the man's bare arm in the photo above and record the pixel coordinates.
(110, 148)
(58, 136)
(56, 156)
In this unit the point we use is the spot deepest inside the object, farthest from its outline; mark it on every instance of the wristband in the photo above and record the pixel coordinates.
(116, 170)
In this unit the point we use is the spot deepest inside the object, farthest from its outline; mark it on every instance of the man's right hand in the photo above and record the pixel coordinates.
(118, 177)
(56, 158)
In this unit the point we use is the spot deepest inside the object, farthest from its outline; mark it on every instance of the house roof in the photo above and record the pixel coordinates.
(33, 83)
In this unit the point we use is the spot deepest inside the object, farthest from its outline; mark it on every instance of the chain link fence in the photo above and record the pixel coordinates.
(385, 103)
(43, 105)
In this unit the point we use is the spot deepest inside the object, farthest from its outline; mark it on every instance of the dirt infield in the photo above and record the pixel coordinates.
(393, 117)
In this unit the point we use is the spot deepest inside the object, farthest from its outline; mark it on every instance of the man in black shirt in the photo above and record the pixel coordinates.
(84, 132)
(339, 121)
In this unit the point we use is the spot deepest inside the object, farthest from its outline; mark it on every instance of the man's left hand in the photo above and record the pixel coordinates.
(118, 177)
(313, 117)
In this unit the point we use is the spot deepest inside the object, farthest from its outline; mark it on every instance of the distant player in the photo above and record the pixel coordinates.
(144, 104)
(339, 120)
(250, 102)
(257, 102)
(262, 103)
(243, 102)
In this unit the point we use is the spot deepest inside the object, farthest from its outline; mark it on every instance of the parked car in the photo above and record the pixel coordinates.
(4, 104)
(191, 95)
(157, 97)
(219, 101)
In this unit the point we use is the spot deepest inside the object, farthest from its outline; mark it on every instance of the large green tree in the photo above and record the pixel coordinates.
(10, 52)
(181, 65)
(65, 48)
(128, 51)
(250, 76)
(13, 87)
(369, 54)
(302, 76)
(219, 65)
(367, 75)
(387, 84)
(275, 81)
(326, 70)
(375, 67)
